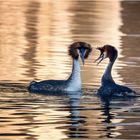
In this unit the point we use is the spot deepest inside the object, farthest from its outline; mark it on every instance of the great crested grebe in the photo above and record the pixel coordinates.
(108, 85)
(73, 83)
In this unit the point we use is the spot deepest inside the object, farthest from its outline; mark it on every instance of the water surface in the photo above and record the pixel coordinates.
(34, 38)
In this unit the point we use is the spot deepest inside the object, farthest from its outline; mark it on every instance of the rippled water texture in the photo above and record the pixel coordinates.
(34, 38)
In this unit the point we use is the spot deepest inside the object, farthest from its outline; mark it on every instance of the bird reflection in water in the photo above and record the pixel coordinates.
(106, 109)
(76, 121)
(71, 124)
(112, 107)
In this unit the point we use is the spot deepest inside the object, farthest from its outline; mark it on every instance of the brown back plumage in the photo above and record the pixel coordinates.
(73, 49)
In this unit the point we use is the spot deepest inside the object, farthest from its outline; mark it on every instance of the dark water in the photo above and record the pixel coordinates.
(34, 37)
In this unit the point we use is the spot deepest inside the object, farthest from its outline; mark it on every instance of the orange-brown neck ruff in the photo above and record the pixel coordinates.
(73, 49)
(111, 52)
(73, 83)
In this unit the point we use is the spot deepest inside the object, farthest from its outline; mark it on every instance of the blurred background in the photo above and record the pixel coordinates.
(35, 35)
(34, 39)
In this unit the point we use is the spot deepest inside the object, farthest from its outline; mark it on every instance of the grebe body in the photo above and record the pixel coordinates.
(73, 83)
(108, 86)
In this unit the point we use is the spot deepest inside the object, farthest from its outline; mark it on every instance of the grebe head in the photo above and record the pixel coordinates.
(107, 51)
(80, 48)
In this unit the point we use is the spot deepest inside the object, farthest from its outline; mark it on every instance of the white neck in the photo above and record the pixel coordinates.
(74, 81)
(107, 77)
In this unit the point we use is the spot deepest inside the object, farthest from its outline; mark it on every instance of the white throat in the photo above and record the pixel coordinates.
(74, 81)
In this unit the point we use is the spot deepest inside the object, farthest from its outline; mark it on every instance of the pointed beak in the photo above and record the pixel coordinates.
(82, 56)
(101, 57)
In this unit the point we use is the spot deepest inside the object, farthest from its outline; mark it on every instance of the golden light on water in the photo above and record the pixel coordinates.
(12, 40)
(107, 22)
(34, 38)
(51, 129)
(45, 30)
